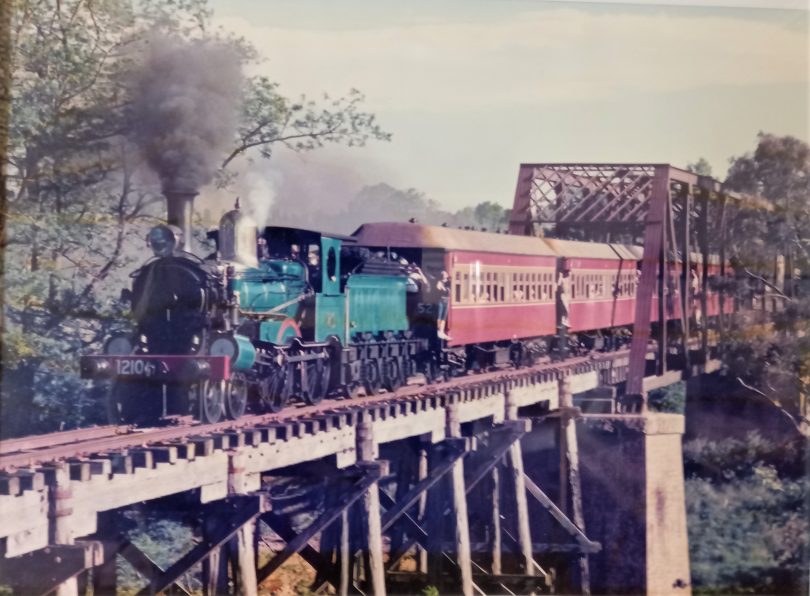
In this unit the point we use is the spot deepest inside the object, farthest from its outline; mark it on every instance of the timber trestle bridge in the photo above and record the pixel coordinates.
(430, 485)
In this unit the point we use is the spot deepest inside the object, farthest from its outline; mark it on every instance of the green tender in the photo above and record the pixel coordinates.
(376, 303)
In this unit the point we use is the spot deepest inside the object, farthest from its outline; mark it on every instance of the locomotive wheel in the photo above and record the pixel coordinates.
(236, 394)
(317, 382)
(371, 376)
(273, 392)
(392, 378)
(408, 368)
(209, 398)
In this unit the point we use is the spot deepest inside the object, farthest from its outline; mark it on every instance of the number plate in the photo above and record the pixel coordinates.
(136, 367)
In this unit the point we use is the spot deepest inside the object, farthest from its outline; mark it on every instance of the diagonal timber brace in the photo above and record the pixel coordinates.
(503, 439)
(584, 543)
(145, 565)
(456, 450)
(235, 512)
(317, 560)
(373, 471)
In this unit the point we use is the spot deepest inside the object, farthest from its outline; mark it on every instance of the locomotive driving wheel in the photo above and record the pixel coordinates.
(371, 376)
(314, 389)
(236, 396)
(209, 398)
(273, 390)
(392, 376)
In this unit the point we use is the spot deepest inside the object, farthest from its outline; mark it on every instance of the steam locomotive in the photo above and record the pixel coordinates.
(282, 315)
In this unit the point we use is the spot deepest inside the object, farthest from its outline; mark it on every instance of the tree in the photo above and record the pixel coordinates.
(701, 167)
(777, 366)
(5, 111)
(81, 194)
(779, 170)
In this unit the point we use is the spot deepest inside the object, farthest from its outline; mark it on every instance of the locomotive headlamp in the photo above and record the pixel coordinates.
(118, 345)
(164, 239)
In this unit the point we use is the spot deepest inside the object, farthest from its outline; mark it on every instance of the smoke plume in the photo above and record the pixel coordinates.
(185, 96)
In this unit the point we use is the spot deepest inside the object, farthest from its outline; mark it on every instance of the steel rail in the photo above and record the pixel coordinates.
(136, 438)
(65, 437)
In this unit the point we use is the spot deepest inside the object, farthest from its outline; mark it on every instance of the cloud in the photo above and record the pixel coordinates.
(542, 57)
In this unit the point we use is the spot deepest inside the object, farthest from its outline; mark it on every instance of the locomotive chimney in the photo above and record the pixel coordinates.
(180, 205)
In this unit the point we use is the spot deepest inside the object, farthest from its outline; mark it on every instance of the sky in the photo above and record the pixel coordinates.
(470, 89)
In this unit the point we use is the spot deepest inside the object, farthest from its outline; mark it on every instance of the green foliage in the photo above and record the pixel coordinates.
(670, 399)
(747, 517)
(776, 364)
(430, 591)
(164, 537)
(269, 118)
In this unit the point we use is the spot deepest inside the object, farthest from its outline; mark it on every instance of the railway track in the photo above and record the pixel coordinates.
(29, 452)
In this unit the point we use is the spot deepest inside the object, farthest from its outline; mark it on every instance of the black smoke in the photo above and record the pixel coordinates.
(185, 96)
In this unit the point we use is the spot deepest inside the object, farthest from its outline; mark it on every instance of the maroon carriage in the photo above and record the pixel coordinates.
(502, 286)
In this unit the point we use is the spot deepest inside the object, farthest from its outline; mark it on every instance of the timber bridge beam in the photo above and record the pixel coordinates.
(427, 486)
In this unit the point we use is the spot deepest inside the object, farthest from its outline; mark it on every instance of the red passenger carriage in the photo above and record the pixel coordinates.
(503, 286)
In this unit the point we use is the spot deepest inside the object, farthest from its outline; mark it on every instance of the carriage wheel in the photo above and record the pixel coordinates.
(317, 381)
(236, 394)
(392, 377)
(209, 398)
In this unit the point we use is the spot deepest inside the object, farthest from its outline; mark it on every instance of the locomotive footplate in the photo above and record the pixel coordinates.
(156, 368)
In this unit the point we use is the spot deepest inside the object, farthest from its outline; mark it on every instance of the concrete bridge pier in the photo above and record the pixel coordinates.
(633, 499)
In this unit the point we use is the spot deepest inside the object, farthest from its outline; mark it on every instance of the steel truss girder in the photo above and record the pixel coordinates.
(667, 205)
(581, 194)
